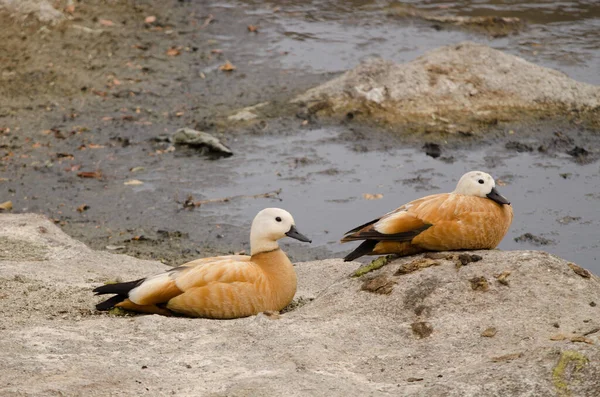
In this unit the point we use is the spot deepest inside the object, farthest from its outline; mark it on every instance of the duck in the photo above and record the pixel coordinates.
(222, 287)
(474, 216)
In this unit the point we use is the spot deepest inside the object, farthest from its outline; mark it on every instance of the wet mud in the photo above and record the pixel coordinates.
(82, 103)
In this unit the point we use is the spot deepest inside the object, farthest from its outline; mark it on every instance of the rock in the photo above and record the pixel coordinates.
(422, 337)
(495, 26)
(247, 114)
(533, 239)
(435, 91)
(190, 137)
(41, 10)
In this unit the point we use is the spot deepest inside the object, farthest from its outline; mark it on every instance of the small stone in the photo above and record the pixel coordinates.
(489, 332)
(421, 329)
(479, 284)
(379, 285)
(502, 278)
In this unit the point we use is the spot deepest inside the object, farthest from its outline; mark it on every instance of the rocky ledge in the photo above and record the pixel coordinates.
(487, 323)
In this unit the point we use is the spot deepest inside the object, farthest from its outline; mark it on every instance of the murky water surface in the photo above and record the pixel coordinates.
(332, 36)
(323, 184)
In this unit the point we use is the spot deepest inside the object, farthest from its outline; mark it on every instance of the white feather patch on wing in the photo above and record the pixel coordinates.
(149, 287)
(388, 221)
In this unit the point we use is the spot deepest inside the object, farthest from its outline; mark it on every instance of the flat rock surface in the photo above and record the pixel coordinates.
(513, 323)
(458, 84)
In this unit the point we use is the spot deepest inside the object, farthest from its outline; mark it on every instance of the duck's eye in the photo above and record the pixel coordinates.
(278, 219)
(480, 181)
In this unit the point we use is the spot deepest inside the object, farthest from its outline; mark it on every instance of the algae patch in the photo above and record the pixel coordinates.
(569, 364)
(374, 265)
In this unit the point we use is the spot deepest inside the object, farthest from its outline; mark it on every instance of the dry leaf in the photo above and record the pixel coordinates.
(94, 146)
(150, 19)
(105, 22)
(173, 52)
(90, 174)
(73, 168)
(70, 9)
(369, 196)
(253, 28)
(133, 182)
(83, 207)
(227, 67)
(216, 51)
(558, 337)
(579, 270)
(6, 206)
(579, 338)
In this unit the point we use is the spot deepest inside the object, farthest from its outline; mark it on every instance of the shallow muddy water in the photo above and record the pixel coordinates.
(323, 183)
(335, 36)
(322, 170)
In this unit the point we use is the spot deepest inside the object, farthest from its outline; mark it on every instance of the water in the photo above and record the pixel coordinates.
(323, 182)
(333, 36)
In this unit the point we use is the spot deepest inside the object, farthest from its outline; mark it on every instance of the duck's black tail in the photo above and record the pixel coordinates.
(365, 248)
(121, 291)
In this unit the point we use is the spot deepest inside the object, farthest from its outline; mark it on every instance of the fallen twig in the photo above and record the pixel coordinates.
(207, 21)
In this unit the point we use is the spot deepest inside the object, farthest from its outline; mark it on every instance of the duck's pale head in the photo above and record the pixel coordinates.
(479, 184)
(270, 225)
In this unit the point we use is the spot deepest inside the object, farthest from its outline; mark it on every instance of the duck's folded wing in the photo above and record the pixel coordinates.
(226, 269)
(399, 226)
(165, 286)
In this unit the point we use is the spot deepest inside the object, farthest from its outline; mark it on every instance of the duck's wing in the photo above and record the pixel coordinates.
(402, 224)
(223, 289)
(165, 286)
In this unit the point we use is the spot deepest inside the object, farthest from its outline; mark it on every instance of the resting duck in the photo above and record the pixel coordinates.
(221, 287)
(473, 216)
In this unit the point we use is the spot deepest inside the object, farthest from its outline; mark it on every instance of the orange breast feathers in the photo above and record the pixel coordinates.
(440, 222)
(225, 287)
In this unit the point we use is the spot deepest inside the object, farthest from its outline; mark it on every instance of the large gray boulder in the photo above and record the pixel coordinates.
(453, 88)
(519, 323)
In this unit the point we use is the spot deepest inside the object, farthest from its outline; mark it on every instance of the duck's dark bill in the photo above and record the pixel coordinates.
(293, 233)
(497, 197)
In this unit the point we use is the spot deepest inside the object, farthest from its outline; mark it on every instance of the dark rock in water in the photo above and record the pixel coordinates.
(533, 239)
(578, 152)
(432, 149)
(190, 137)
(518, 146)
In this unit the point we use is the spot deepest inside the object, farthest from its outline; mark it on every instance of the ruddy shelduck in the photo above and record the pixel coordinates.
(473, 216)
(220, 287)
